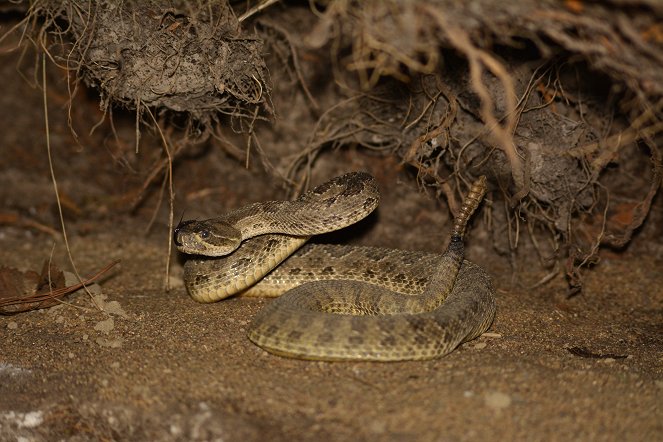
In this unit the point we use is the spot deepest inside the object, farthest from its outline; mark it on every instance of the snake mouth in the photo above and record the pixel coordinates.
(177, 232)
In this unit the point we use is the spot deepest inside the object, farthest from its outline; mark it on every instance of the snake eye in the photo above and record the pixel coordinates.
(204, 234)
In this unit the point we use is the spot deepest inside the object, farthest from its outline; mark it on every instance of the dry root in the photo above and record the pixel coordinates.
(559, 104)
(431, 89)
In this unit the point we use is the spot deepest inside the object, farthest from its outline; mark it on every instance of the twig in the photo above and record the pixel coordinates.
(257, 8)
(52, 294)
(55, 183)
(171, 195)
(12, 218)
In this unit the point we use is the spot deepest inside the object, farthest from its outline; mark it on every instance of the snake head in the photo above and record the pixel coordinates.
(207, 237)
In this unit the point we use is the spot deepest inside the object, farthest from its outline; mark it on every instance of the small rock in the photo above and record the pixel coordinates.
(115, 308)
(31, 419)
(100, 299)
(497, 400)
(94, 289)
(11, 325)
(70, 279)
(111, 343)
(105, 326)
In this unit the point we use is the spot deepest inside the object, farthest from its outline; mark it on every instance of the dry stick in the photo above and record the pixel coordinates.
(155, 212)
(50, 282)
(370, 55)
(266, 164)
(534, 79)
(53, 294)
(636, 38)
(55, 185)
(151, 176)
(410, 156)
(593, 252)
(616, 141)
(170, 194)
(89, 20)
(11, 31)
(249, 138)
(156, 170)
(137, 128)
(259, 7)
(13, 218)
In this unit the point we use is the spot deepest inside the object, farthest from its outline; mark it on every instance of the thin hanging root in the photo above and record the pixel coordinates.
(480, 61)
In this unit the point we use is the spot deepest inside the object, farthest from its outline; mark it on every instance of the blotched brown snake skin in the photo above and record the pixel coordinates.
(339, 302)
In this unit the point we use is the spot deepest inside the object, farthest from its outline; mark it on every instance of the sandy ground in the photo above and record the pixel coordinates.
(158, 366)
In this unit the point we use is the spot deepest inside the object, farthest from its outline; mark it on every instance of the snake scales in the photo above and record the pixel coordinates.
(342, 302)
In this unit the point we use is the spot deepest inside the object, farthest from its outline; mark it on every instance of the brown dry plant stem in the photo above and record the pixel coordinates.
(431, 168)
(55, 184)
(171, 196)
(32, 302)
(15, 219)
(257, 8)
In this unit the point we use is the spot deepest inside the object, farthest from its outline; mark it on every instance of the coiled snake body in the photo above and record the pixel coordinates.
(340, 302)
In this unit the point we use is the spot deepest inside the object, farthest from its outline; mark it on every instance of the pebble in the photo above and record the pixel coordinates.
(105, 326)
(111, 343)
(115, 308)
(497, 400)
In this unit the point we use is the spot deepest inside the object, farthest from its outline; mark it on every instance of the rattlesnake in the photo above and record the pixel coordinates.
(364, 303)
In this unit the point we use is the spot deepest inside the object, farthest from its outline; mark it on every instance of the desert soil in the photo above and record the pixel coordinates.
(158, 366)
